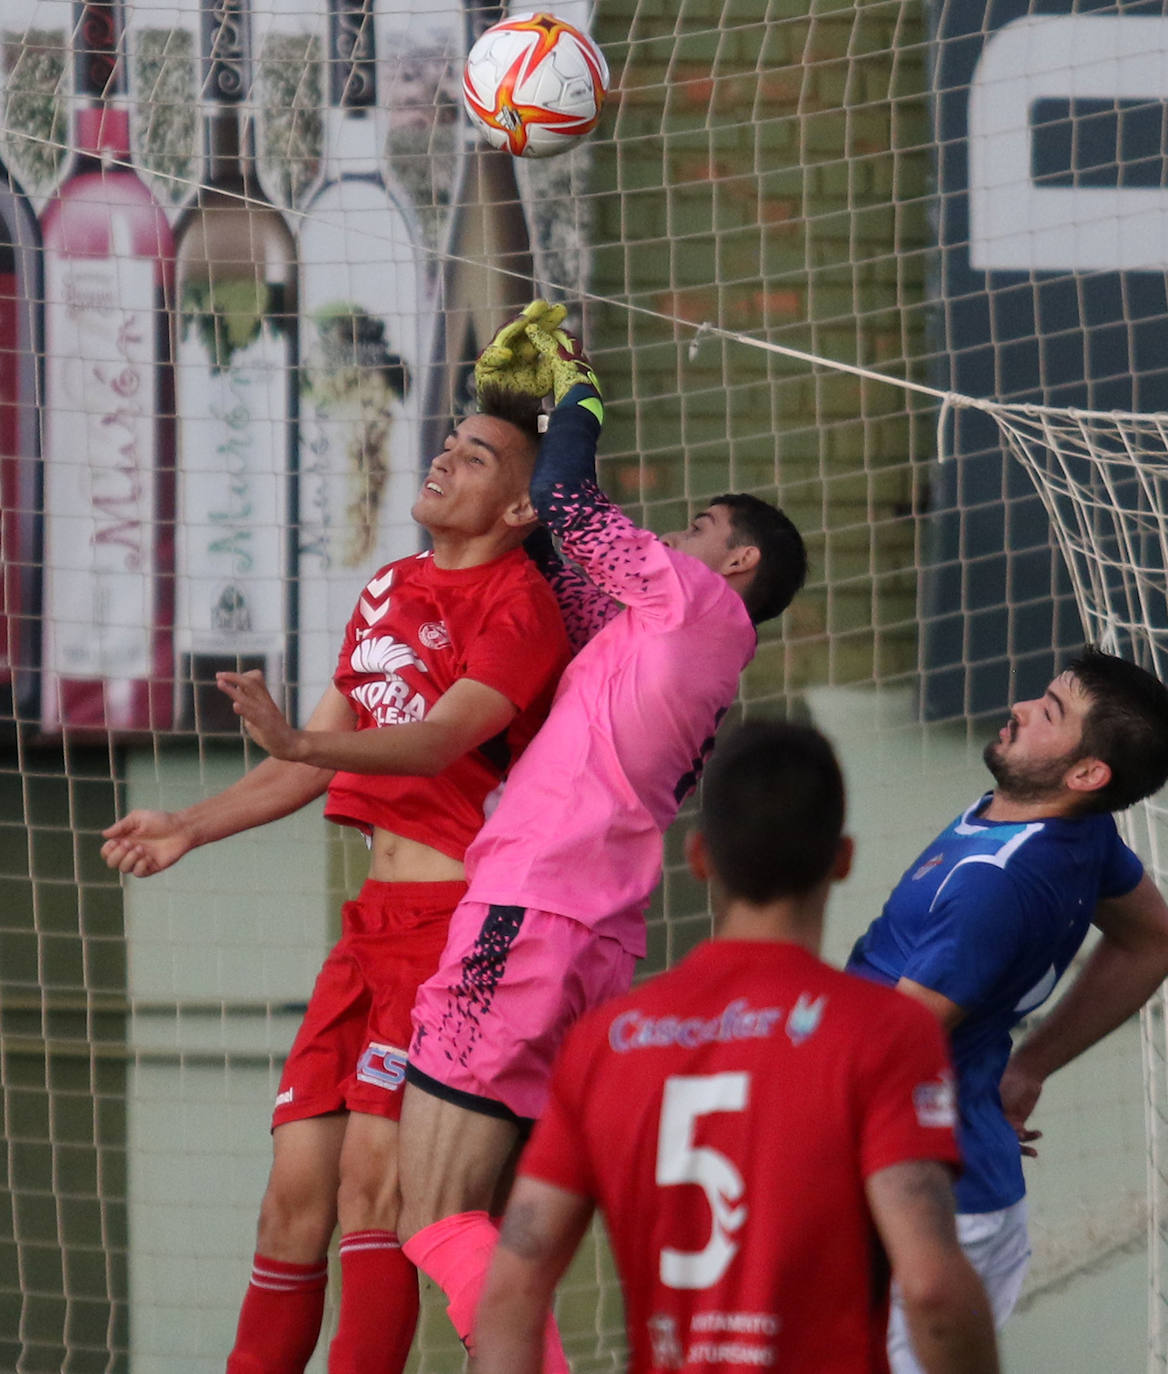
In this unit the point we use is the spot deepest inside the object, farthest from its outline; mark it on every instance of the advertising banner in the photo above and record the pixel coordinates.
(252, 251)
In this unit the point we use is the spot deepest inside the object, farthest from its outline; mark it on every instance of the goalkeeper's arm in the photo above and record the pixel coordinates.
(584, 608)
(565, 473)
(628, 563)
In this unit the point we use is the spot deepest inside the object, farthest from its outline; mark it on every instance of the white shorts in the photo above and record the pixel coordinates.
(997, 1244)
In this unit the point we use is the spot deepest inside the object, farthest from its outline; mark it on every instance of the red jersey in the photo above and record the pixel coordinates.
(416, 631)
(724, 1117)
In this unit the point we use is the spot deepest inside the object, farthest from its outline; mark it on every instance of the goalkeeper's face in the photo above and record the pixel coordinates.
(709, 537)
(479, 482)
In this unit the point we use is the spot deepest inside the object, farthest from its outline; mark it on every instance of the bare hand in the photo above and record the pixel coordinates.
(1020, 1092)
(144, 843)
(262, 718)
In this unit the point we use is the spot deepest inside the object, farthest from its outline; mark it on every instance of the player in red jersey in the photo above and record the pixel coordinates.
(447, 668)
(766, 1138)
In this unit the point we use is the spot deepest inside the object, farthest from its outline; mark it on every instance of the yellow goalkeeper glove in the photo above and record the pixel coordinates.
(566, 360)
(512, 361)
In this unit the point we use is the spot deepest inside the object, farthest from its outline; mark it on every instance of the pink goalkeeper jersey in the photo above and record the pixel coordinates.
(579, 829)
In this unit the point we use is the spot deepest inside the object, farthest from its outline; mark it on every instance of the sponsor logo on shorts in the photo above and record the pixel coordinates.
(382, 1065)
(284, 1099)
(935, 1102)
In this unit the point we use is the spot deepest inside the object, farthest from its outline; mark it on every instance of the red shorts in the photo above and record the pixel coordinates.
(350, 1051)
(489, 1023)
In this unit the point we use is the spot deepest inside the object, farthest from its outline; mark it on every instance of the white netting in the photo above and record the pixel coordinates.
(1103, 478)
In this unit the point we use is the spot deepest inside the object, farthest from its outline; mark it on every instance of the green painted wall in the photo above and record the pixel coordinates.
(773, 180)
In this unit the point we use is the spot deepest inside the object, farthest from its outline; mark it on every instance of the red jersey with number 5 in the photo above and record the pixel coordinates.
(724, 1117)
(416, 631)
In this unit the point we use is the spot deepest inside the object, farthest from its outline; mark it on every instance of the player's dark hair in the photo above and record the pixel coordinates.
(782, 563)
(1126, 725)
(772, 810)
(514, 407)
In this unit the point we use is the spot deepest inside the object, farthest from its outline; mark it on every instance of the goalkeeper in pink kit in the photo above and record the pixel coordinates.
(559, 877)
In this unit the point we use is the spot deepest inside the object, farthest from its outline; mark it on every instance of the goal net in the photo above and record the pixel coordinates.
(248, 252)
(1103, 479)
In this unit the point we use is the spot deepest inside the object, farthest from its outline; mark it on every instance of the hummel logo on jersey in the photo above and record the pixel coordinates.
(928, 866)
(284, 1099)
(374, 599)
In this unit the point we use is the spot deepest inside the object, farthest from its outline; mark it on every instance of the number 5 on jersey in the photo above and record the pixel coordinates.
(679, 1160)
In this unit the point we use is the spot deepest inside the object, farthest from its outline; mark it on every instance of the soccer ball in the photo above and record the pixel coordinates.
(534, 84)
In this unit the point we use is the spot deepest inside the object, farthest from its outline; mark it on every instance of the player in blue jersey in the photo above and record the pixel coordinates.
(984, 923)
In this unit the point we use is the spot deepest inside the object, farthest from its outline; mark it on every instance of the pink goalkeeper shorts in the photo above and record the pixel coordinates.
(512, 980)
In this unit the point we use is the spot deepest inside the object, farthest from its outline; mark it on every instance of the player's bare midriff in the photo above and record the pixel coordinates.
(396, 859)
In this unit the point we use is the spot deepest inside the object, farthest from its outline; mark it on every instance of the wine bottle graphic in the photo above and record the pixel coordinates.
(20, 352)
(488, 273)
(236, 394)
(108, 425)
(362, 299)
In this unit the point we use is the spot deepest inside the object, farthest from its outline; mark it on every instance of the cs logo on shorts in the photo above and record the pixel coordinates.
(382, 1065)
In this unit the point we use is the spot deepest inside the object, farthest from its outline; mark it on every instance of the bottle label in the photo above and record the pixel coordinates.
(360, 458)
(99, 471)
(233, 376)
(353, 388)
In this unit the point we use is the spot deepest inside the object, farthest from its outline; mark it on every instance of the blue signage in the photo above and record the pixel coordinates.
(1052, 218)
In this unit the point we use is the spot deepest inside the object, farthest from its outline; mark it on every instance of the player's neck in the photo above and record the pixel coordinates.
(1003, 808)
(454, 551)
(793, 921)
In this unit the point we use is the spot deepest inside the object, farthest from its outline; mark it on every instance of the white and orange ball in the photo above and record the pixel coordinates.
(534, 84)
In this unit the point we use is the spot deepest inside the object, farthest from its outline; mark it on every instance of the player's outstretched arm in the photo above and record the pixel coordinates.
(147, 842)
(564, 486)
(947, 1311)
(627, 563)
(465, 716)
(542, 1227)
(1124, 969)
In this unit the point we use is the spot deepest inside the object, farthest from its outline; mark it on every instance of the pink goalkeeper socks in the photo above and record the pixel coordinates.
(456, 1253)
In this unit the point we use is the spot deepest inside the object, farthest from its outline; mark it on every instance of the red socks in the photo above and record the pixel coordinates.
(379, 1306)
(456, 1253)
(279, 1322)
